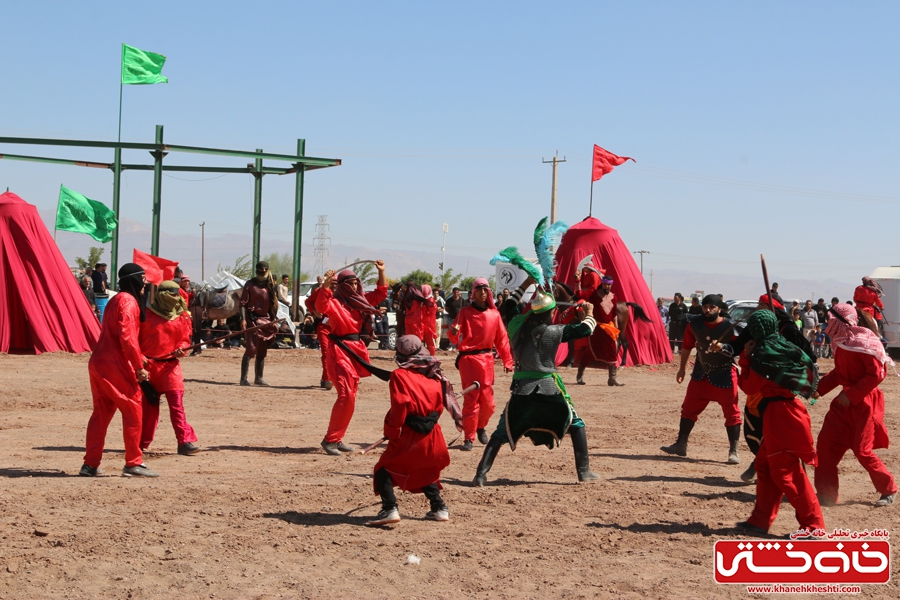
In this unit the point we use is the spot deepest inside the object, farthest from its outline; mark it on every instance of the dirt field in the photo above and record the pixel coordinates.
(264, 513)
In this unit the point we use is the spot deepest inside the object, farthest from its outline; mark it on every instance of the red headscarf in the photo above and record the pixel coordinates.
(845, 333)
(482, 282)
(590, 280)
(764, 300)
(348, 294)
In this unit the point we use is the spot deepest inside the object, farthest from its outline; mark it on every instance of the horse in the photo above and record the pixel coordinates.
(213, 304)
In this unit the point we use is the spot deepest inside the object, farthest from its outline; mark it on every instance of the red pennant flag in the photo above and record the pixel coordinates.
(156, 269)
(604, 162)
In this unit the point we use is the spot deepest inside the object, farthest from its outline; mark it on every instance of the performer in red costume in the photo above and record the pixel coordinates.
(168, 328)
(322, 332)
(115, 368)
(478, 329)
(349, 314)
(602, 346)
(867, 298)
(184, 288)
(416, 452)
(855, 420)
(713, 379)
(586, 282)
(421, 314)
(776, 369)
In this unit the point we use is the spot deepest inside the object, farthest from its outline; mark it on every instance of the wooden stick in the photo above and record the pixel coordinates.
(762, 260)
(214, 340)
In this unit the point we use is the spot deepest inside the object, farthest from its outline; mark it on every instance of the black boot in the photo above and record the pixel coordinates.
(245, 367)
(612, 381)
(679, 448)
(487, 461)
(734, 439)
(750, 473)
(582, 460)
(258, 368)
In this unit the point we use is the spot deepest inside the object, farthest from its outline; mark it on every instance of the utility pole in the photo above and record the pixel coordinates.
(651, 282)
(321, 242)
(202, 250)
(555, 162)
(642, 253)
(444, 252)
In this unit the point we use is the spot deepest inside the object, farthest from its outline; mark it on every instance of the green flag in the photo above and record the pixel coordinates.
(139, 67)
(82, 215)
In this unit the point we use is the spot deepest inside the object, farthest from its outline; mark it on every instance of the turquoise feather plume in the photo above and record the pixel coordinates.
(549, 240)
(511, 255)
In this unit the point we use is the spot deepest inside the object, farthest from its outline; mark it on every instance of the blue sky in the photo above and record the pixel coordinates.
(757, 127)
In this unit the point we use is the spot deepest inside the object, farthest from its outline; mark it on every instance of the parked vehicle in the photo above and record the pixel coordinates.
(889, 280)
(739, 310)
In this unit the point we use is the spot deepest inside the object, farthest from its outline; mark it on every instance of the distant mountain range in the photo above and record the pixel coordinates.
(225, 250)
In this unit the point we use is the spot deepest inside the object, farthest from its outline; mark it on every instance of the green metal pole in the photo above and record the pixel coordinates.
(298, 233)
(114, 251)
(158, 155)
(257, 207)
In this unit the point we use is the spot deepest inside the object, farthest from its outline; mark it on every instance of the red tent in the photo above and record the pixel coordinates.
(648, 342)
(42, 308)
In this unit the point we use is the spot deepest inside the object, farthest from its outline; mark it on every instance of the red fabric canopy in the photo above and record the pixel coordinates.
(648, 342)
(42, 307)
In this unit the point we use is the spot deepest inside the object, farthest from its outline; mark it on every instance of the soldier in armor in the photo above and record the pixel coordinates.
(714, 378)
(539, 407)
(259, 306)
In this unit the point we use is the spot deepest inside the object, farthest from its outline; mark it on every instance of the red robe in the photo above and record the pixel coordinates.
(601, 346)
(787, 437)
(158, 337)
(113, 368)
(867, 300)
(344, 371)
(322, 331)
(479, 330)
(858, 427)
(413, 459)
(421, 321)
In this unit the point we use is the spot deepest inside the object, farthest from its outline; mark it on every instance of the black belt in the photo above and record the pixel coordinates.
(470, 353)
(353, 337)
(422, 425)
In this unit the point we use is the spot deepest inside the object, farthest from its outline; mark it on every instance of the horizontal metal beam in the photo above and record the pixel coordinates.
(311, 162)
(57, 161)
(136, 167)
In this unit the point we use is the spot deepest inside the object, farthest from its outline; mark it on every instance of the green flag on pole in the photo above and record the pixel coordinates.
(82, 215)
(140, 67)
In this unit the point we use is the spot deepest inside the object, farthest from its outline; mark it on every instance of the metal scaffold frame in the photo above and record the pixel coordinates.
(300, 163)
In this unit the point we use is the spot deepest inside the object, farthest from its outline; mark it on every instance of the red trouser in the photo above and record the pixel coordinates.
(701, 393)
(106, 400)
(783, 474)
(325, 347)
(184, 433)
(849, 428)
(346, 385)
(478, 406)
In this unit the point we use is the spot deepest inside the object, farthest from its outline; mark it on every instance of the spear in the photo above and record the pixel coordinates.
(214, 340)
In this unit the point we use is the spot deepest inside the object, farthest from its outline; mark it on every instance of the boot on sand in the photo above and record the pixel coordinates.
(679, 448)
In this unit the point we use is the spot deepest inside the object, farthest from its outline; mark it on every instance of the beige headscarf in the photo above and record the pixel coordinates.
(168, 302)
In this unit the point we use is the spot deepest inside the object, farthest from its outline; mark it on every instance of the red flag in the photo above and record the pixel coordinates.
(156, 269)
(604, 162)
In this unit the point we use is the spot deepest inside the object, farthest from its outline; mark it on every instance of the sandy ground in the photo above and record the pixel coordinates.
(263, 513)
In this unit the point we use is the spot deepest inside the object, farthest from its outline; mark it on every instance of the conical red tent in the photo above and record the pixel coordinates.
(42, 308)
(648, 342)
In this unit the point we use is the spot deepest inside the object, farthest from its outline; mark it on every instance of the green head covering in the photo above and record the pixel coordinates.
(777, 359)
(541, 303)
(168, 302)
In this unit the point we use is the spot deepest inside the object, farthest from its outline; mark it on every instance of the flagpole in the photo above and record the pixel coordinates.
(591, 211)
(121, 85)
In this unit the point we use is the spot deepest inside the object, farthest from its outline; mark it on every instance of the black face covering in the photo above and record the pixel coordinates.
(131, 281)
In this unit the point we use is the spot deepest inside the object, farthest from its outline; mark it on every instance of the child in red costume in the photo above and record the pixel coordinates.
(168, 328)
(855, 420)
(416, 452)
(478, 329)
(349, 314)
(776, 369)
(421, 314)
(115, 368)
